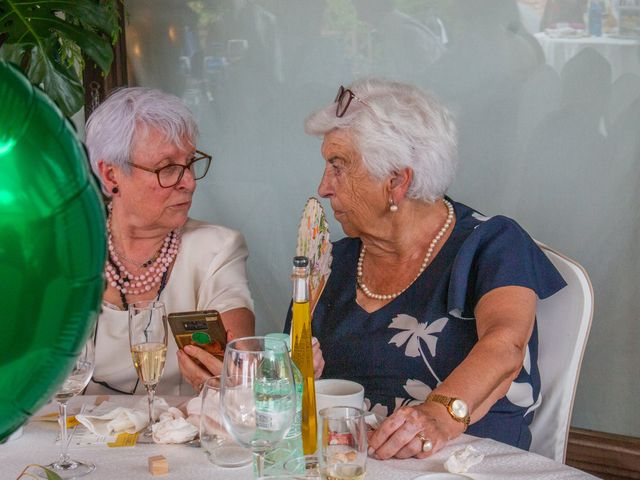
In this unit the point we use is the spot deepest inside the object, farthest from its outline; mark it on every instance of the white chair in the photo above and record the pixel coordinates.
(564, 321)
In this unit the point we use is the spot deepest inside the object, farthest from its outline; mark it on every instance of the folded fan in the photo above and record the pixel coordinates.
(314, 243)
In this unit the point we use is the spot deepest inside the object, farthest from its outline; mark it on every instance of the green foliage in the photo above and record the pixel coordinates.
(28, 472)
(47, 39)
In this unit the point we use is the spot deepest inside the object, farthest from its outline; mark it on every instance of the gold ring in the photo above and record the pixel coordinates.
(427, 445)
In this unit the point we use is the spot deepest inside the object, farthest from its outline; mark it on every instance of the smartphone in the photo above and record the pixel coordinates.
(201, 328)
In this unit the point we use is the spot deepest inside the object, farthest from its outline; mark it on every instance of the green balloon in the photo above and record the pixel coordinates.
(52, 248)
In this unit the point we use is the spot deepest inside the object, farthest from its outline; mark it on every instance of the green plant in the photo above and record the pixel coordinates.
(48, 38)
(28, 472)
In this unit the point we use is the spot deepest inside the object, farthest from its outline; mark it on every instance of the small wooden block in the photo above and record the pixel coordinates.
(158, 465)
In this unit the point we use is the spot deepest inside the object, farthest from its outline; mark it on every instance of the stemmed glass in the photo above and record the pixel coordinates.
(258, 396)
(148, 342)
(218, 445)
(75, 383)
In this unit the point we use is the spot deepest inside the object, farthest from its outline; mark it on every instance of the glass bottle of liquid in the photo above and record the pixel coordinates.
(291, 446)
(301, 352)
(594, 18)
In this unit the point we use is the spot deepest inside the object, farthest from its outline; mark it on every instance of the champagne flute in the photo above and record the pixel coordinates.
(148, 342)
(75, 383)
(258, 395)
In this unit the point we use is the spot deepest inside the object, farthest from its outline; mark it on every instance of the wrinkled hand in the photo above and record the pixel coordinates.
(194, 373)
(318, 359)
(398, 435)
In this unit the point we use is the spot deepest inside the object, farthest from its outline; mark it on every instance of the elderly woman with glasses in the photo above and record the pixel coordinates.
(430, 305)
(141, 144)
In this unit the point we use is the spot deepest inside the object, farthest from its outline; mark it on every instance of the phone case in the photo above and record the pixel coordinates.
(202, 328)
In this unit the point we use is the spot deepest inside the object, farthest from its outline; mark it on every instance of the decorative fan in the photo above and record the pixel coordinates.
(313, 243)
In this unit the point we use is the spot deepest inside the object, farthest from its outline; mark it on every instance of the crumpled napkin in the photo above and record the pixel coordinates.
(195, 405)
(462, 460)
(212, 405)
(173, 427)
(121, 419)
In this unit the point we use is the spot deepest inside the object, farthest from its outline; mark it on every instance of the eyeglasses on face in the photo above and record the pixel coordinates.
(343, 100)
(170, 175)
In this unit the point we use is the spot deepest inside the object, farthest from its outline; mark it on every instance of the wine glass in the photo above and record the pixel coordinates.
(258, 396)
(148, 342)
(75, 383)
(221, 450)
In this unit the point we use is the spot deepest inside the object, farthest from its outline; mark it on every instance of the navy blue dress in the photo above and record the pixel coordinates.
(406, 348)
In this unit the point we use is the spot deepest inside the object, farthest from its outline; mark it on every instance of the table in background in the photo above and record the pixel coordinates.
(621, 53)
(37, 445)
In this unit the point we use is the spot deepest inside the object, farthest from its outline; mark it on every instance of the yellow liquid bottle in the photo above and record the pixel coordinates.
(301, 352)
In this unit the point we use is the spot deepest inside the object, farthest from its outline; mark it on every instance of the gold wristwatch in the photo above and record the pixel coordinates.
(456, 407)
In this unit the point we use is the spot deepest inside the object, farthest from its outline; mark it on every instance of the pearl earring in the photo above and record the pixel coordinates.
(393, 208)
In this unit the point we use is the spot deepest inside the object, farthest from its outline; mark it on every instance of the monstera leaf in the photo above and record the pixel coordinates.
(47, 39)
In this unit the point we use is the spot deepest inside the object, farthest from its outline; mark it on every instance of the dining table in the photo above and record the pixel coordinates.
(622, 53)
(36, 444)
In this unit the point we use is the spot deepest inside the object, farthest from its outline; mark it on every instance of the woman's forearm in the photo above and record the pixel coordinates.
(505, 318)
(239, 322)
(485, 375)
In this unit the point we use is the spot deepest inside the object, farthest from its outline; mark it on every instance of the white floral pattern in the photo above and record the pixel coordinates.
(521, 393)
(415, 388)
(411, 334)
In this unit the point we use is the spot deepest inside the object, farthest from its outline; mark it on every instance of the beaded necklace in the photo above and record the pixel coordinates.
(156, 271)
(423, 267)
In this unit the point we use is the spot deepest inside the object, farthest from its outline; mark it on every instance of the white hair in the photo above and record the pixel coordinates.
(395, 126)
(114, 126)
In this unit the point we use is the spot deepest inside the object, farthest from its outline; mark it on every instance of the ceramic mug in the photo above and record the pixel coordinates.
(336, 392)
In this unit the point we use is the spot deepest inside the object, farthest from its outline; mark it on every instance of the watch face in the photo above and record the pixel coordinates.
(459, 408)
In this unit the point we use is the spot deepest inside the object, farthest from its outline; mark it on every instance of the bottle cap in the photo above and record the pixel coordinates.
(300, 262)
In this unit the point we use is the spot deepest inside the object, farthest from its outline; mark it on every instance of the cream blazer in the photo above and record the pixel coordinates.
(209, 273)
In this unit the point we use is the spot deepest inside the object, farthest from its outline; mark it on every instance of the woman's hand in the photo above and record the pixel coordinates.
(318, 359)
(400, 434)
(194, 373)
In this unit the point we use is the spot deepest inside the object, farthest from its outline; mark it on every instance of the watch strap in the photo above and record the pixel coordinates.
(447, 402)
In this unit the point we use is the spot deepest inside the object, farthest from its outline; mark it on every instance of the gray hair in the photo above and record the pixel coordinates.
(112, 127)
(397, 126)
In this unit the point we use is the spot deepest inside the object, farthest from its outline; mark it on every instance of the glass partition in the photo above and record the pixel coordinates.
(549, 125)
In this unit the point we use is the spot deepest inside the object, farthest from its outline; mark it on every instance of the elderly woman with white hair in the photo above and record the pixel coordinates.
(142, 147)
(430, 305)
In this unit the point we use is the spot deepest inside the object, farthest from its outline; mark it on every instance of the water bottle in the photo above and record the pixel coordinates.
(596, 11)
(291, 446)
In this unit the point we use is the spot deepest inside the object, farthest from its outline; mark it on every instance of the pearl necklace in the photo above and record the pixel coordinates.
(127, 283)
(425, 262)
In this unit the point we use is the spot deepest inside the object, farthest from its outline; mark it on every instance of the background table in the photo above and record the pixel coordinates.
(37, 445)
(621, 53)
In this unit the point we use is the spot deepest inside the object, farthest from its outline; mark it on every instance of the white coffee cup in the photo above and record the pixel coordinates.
(335, 392)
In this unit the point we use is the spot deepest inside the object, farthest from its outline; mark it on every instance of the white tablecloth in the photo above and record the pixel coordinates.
(37, 445)
(622, 54)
